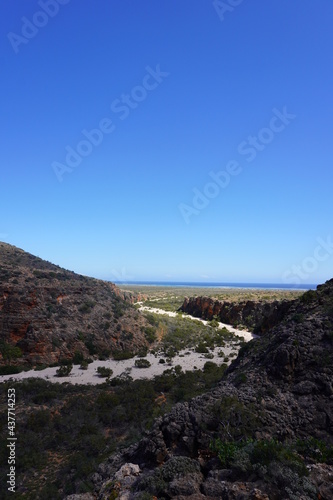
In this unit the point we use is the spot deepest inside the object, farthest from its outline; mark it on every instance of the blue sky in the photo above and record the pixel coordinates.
(152, 98)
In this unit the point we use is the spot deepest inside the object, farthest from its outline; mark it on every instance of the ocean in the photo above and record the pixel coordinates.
(206, 284)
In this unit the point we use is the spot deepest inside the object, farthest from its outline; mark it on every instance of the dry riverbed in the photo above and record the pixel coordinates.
(188, 359)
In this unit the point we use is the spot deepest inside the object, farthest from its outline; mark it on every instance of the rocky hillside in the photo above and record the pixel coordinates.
(258, 316)
(48, 314)
(265, 432)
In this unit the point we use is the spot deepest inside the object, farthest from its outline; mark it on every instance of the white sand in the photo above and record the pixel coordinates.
(187, 359)
(240, 333)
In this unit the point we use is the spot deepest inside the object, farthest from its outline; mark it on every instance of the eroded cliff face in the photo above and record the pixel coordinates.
(280, 387)
(255, 316)
(50, 314)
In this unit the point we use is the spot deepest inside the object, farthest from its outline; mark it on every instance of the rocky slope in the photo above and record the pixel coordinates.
(270, 421)
(257, 316)
(48, 314)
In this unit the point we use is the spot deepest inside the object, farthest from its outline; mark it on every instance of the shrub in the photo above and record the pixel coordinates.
(104, 372)
(119, 355)
(209, 366)
(10, 351)
(9, 370)
(142, 363)
(315, 449)
(150, 334)
(87, 306)
(201, 348)
(64, 371)
(77, 358)
(308, 297)
(123, 379)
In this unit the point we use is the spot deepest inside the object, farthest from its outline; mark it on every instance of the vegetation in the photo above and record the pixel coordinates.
(176, 334)
(171, 298)
(64, 371)
(275, 462)
(9, 352)
(104, 372)
(67, 430)
(142, 363)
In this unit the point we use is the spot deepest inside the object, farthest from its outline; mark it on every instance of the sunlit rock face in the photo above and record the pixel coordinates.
(49, 313)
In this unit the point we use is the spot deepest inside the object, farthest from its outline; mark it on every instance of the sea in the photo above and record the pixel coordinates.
(210, 284)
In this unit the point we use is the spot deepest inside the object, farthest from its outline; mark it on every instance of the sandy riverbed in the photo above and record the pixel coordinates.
(188, 359)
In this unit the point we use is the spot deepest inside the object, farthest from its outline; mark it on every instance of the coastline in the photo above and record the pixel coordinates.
(219, 285)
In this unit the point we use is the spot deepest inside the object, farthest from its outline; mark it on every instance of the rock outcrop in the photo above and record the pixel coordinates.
(48, 314)
(278, 391)
(255, 316)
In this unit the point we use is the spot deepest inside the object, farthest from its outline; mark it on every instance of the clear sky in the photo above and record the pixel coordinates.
(169, 139)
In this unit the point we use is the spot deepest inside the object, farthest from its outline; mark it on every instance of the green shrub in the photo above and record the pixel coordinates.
(225, 450)
(209, 366)
(10, 351)
(150, 334)
(120, 355)
(315, 449)
(201, 348)
(64, 371)
(9, 370)
(142, 363)
(77, 358)
(104, 372)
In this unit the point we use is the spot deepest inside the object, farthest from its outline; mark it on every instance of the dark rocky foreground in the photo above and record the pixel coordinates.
(271, 419)
(254, 315)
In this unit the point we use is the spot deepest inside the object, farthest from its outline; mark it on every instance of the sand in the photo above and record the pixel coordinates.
(188, 359)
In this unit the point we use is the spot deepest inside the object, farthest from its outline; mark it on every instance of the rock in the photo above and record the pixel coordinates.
(46, 312)
(81, 496)
(286, 395)
(127, 470)
(186, 485)
(257, 316)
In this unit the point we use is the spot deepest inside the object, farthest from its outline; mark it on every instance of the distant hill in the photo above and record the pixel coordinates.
(49, 314)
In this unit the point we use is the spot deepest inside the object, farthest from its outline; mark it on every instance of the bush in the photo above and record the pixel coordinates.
(142, 363)
(64, 371)
(9, 370)
(77, 358)
(308, 296)
(10, 351)
(201, 348)
(119, 355)
(209, 366)
(150, 334)
(104, 372)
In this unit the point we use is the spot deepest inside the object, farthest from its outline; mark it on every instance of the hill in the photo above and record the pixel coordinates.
(49, 314)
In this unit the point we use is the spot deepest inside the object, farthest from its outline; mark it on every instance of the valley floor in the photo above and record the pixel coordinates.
(187, 358)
